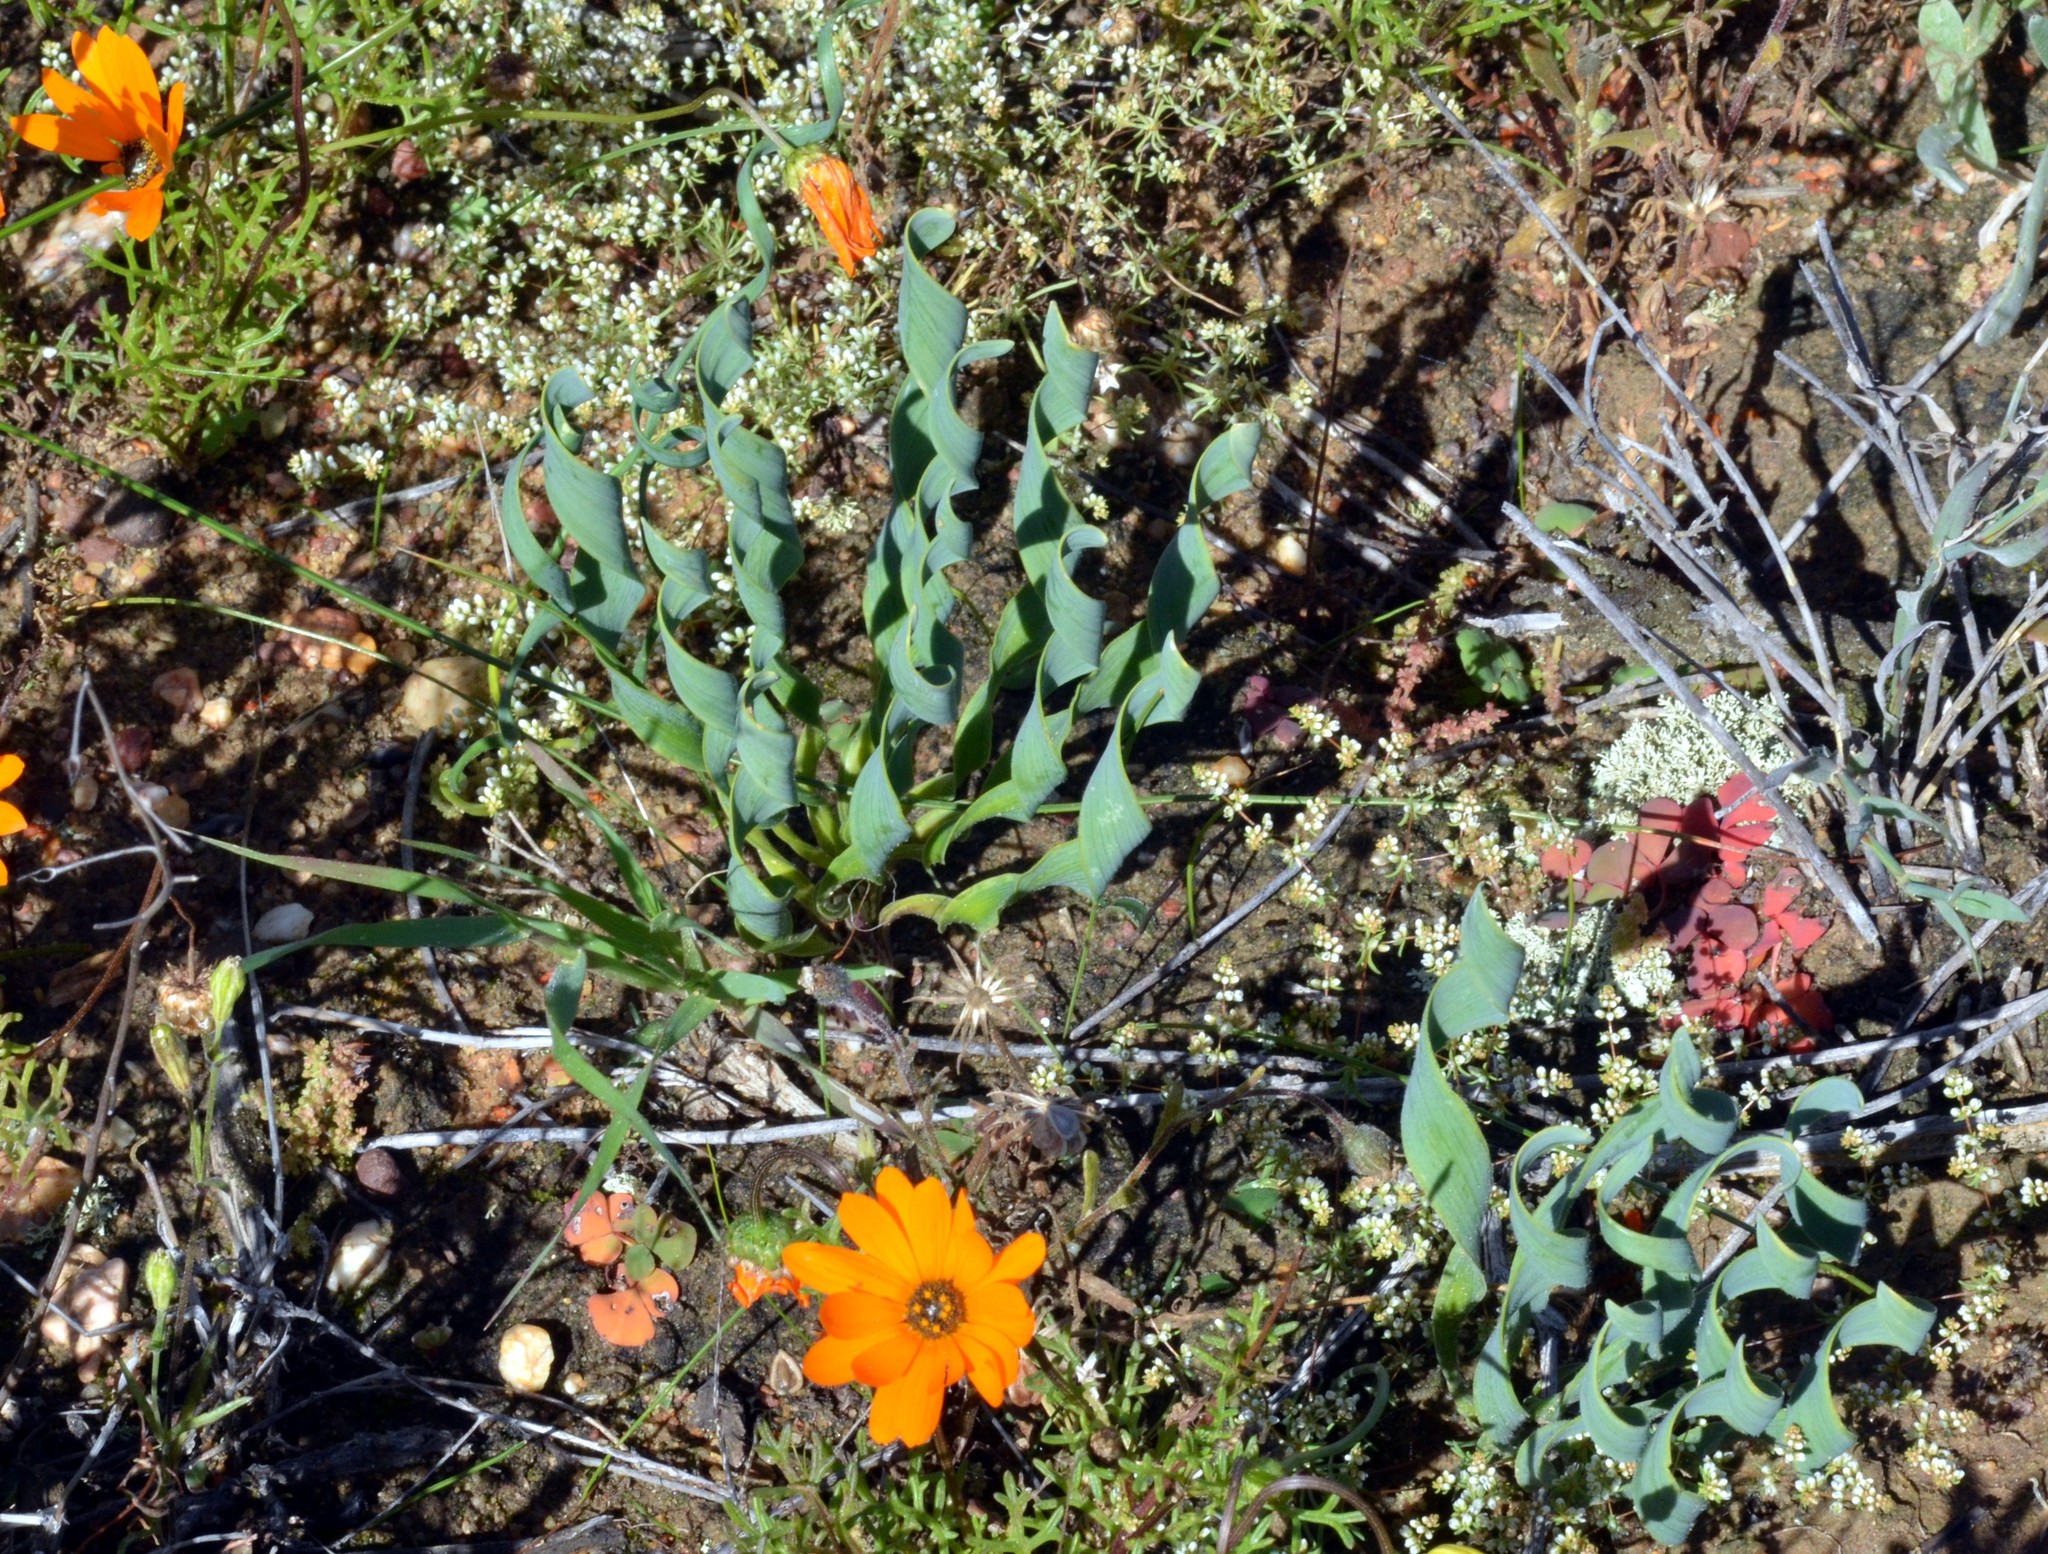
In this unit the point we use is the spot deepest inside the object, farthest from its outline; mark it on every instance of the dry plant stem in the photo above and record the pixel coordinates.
(109, 1083)
(1698, 418)
(2010, 1018)
(1770, 654)
(614, 1456)
(1837, 307)
(821, 1127)
(1222, 926)
(1799, 841)
(1845, 471)
(2028, 898)
(422, 752)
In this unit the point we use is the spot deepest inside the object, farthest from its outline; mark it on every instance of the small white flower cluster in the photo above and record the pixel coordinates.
(1982, 1304)
(1670, 755)
(1971, 1162)
(1845, 1484)
(1485, 1503)
(1713, 1486)
(1323, 729)
(1436, 941)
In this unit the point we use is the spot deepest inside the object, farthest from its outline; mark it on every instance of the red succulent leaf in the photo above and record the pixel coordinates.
(1610, 871)
(1716, 891)
(1732, 923)
(1564, 860)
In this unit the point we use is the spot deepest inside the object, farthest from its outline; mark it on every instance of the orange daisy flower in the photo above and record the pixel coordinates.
(118, 119)
(840, 204)
(924, 1302)
(11, 768)
(752, 1282)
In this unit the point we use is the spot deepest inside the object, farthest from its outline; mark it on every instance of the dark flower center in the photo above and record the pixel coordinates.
(935, 1309)
(139, 163)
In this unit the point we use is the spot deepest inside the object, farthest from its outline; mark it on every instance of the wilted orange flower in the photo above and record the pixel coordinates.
(840, 204)
(118, 119)
(594, 1229)
(11, 768)
(752, 1282)
(627, 1317)
(924, 1302)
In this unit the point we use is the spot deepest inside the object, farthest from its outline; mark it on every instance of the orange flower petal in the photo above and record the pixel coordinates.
(970, 1257)
(878, 1233)
(986, 1365)
(47, 132)
(144, 208)
(87, 111)
(11, 819)
(928, 1223)
(3, 867)
(830, 1360)
(1020, 1259)
(113, 64)
(174, 121)
(1002, 1307)
(625, 1318)
(908, 1410)
(11, 768)
(856, 1313)
(882, 1363)
(835, 1268)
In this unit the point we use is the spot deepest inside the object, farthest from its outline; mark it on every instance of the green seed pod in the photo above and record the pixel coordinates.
(229, 982)
(160, 1278)
(168, 1047)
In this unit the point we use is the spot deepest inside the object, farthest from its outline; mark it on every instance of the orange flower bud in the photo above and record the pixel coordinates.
(834, 196)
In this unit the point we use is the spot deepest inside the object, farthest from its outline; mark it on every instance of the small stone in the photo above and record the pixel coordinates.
(85, 793)
(84, 584)
(1290, 555)
(439, 694)
(41, 1198)
(171, 808)
(133, 747)
(99, 550)
(146, 528)
(1159, 531)
(1093, 329)
(178, 689)
(65, 255)
(379, 1173)
(283, 924)
(360, 1256)
(91, 1290)
(526, 1357)
(216, 714)
(1233, 771)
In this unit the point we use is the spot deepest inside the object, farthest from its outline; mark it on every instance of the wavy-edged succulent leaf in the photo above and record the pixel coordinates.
(1548, 1257)
(1618, 1430)
(1495, 1399)
(1440, 1136)
(875, 825)
(1826, 1103)
(1460, 1291)
(1888, 1319)
(1705, 1119)
(1667, 1507)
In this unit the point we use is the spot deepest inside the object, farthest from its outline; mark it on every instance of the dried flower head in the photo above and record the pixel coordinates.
(835, 198)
